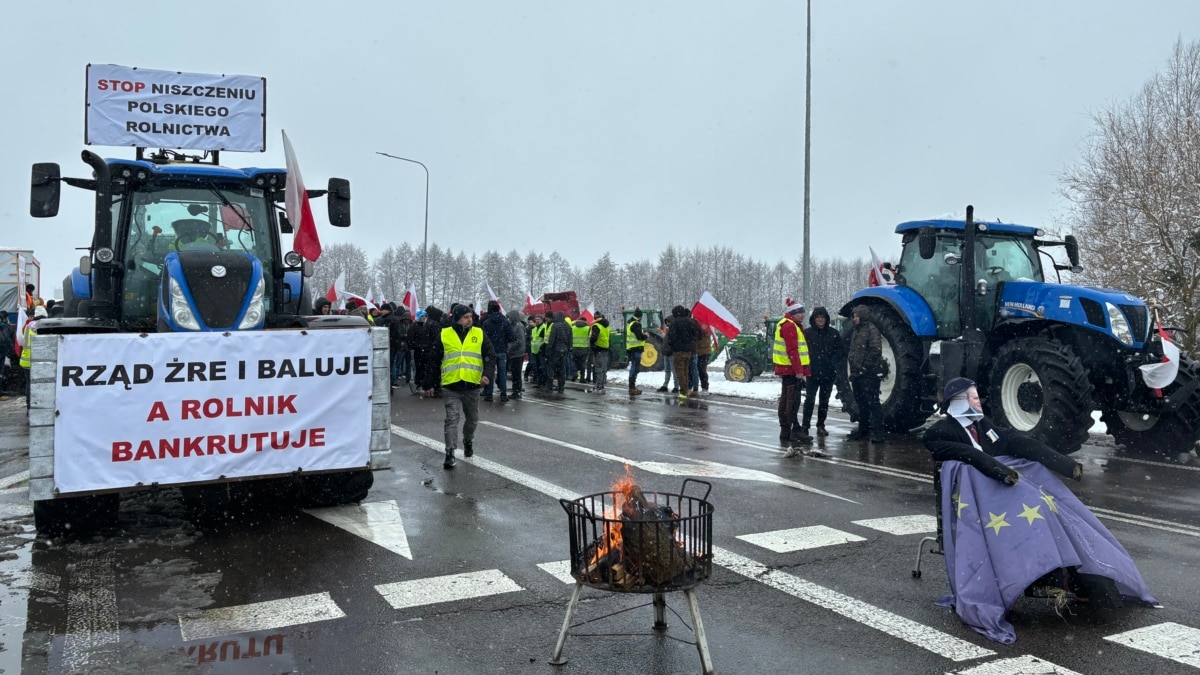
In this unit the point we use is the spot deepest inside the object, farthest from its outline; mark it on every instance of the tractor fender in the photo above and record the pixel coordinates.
(904, 301)
(81, 286)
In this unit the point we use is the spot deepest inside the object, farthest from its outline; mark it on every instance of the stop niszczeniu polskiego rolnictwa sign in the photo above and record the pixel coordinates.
(181, 408)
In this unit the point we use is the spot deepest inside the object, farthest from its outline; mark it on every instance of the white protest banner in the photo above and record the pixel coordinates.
(165, 109)
(183, 407)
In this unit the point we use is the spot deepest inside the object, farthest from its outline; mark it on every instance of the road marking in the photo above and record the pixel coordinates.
(1021, 665)
(908, 630)
(377, 522)
(901, 525)
(210, 623)
(448, 588)
(1165, 465)
(693, 467)
(1152, 523)
(91, 613)
(560, 570)
(12, 480)
(1169, 640)
(800, 538)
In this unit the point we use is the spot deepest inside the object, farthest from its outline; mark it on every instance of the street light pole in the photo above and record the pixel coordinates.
(806, 293)
(425, 245)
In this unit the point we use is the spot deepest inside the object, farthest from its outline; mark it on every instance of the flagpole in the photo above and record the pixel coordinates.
(805, 293)
(425, 245)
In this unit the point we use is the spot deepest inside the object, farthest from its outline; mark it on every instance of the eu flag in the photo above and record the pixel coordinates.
(999, 539)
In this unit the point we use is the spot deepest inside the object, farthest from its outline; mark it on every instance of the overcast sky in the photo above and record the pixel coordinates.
(615, 126)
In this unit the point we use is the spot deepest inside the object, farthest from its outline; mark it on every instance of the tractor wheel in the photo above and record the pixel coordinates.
(75, 515)
(334, 489)
(657, 341)
(1169, 434)
(738, 370)
(902, 392)
(1041, 387)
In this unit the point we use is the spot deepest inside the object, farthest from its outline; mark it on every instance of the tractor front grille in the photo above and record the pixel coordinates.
(218, 299)
(1139, 321)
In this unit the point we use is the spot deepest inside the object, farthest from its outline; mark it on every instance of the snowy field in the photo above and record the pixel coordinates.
(763, 388)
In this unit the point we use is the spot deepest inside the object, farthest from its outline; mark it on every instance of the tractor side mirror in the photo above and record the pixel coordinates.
(1072, 245)
(285, 225)
(338, 197)
(926, 242)
(45, 191)
(981, 287)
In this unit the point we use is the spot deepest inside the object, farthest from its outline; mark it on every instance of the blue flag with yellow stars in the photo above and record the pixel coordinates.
(999, 539)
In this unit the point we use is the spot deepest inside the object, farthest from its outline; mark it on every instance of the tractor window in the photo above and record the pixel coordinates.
(1006, 259)
(935, 280)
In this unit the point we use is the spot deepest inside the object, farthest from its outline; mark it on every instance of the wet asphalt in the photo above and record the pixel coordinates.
(112, 602)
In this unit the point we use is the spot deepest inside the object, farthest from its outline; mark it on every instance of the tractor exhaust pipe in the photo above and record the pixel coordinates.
(104, 302)
(968, 302)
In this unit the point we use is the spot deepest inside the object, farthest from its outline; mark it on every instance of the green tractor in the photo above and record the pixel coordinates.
(748, 355)
(652, 324)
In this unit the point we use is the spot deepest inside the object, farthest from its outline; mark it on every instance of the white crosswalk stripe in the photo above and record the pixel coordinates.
(377, 522)
(258, 616)
(1021, 665)
(434, 590)
(800, 538)
(1169, 640)
(901, 525)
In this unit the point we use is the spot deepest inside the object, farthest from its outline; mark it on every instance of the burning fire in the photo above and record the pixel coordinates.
(611, 541)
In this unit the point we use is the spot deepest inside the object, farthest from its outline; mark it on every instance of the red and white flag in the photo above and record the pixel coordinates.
(492, 295)
(878, 276)
(589, 314)
(370, 297)
(335, 291)
(299, 211)
(410, 300)
(1158, 376)
(235, 217)
(712, 313)
(529, 302)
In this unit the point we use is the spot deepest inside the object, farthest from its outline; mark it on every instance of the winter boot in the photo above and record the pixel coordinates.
(449, 462)
(800, 437)
(504, 397)
(821, 430)
(634, 391)
(468, 449)
(785, 438)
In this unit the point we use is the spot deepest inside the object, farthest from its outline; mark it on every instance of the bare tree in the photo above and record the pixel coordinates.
(1135, 193)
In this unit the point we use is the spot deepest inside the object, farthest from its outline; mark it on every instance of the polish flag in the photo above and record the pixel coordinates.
(589, 314)
(1158, 375)
(492, 295)
(712, 313)
(235, 217)
(335, 291)
(878, 276)
(299, 211)
(370, 297)
(529, 302)
(410, 300)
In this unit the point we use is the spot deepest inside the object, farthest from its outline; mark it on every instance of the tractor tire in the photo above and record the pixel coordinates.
(738, 369)
(75, 515)
(658, 365)
(335, 489)
(1175, 433)
(1040, 387)
(902, 394)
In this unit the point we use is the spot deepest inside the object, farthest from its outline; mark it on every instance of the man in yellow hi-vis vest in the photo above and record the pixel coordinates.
(789, 353)
(27, 334)
(467, 363)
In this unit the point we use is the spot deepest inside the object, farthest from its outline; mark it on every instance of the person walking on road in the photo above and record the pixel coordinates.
(635, 343)
(825, 350)
(599, 343)
(467, 361)
(789, 353)
(864, 357)
(516, 352)
(558, 346)
(499, 332)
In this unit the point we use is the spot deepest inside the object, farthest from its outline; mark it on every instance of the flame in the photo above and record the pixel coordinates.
(612, 541)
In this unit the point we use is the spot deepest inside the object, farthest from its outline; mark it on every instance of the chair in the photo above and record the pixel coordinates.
(936, 549)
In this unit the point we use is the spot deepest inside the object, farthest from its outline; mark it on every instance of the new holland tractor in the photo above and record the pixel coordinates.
(183, 246)
(972, 299)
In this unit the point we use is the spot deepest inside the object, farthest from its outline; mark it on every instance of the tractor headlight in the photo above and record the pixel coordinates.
(254, 313)
(1120, 325)
(181, 312)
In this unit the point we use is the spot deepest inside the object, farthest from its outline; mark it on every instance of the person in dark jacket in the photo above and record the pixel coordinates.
(558, 345)
(321, 306)
(499, 332)
(404, 361)
(864, 357)
(387, 319)
(966, 435)
(422, 344)
(516, 352)
(465, 360)
(682, 337)
(825, 353)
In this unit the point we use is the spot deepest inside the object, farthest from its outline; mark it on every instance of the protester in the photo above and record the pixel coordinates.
(516, 352)
(789, 353)
(466, 360)
(825, 352)
(864, 358)
(703, 354)
(30, 330)
(599, 345)
(8, 359)
(1043, 536)
(499, 332)
(581, 351)
(537, 341)
(668, 362)
(321, 306)
(403, 364)
(427, 332)
(386, 319)
(682, 338)
(558, 346)
(635, 342)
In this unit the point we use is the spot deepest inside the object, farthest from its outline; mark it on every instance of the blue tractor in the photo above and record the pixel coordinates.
(181, 244)
(972, 299)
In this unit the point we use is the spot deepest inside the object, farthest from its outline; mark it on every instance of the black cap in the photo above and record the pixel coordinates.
(459, 311)
(953, 388)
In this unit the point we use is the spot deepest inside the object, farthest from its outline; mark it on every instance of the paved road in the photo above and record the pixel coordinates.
(463, 571)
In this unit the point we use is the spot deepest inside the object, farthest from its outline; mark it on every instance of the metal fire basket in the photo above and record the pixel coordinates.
(647, 542)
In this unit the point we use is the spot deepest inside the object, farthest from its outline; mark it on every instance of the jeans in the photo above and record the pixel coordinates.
(694, 373)
(402, 364)
(501, 380)
(668, 371)
(515, 363)
(461, 405)
(600, 369)
(635, 365)
(870, 413)
(817, 391)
